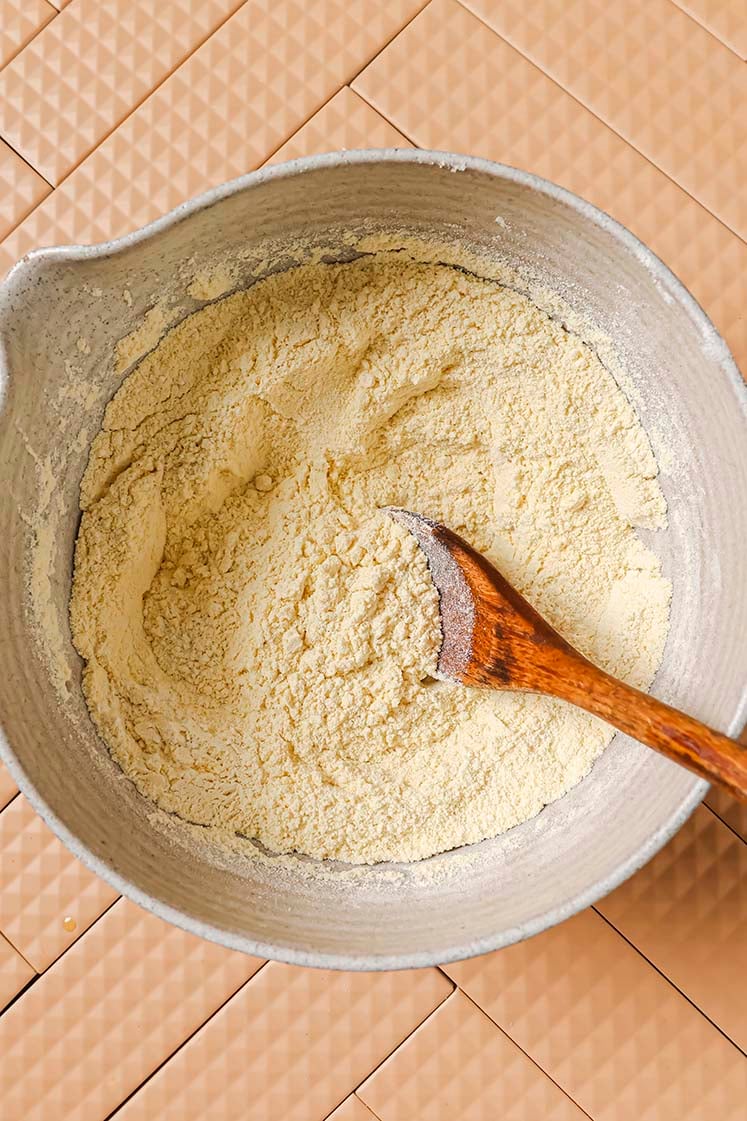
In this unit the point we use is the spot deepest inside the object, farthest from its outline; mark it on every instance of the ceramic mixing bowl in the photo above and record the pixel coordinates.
(62, 313)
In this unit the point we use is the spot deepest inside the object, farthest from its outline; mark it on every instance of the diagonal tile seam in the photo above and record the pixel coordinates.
(387, 1057)
(112, 1116)
(55, 12)
(349, 81)
(467, 7)
(36, 171)
(183, 1043)
(504, 1031)
(364, 1104)
(345, 82)
(71, 946)
(712, 31)
(669, 981)
(531, 1058)
(133, 109)
(723, 820)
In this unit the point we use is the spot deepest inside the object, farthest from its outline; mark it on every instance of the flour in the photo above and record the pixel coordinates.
(260, 638)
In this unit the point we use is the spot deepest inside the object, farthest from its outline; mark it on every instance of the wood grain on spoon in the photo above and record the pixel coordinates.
(494, 639)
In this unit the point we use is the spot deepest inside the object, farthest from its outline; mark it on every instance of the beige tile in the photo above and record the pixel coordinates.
(458, 1064)
(686, 910)
(89, 68)
(224, 112)
(352, 1109)
(108, 1013)
(8, 788)
(15, 972)
(20, 20)
(729, 810)
(346, 121)
(654, 75)
(606, 1027)
(43, 887)
(290, 1045)
(21, 189)
(726, 19)
(486, 99)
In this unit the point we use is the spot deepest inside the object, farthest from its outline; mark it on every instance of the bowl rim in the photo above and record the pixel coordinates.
(661, 273)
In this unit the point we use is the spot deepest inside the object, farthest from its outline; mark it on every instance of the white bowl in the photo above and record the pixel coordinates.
(62, 312)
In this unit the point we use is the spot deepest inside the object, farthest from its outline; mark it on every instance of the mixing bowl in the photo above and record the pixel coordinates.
(62, 313)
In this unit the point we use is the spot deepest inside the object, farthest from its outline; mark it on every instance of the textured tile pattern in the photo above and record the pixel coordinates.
(460, 1065)
(687, 912)
(20, 189)
(654, 75)
(89, 68)
(347, 121)
(106, 1015)
(614, 1034)
(20, 20)
(43, 887)
(8, 788)
(315, 1036)
(729, 810)
(488, 100)
(224, 112)
(352, 1109)
(15, 972)
(726, 19)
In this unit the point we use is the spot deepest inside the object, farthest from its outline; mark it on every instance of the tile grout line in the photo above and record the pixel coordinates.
(704, 27)
(531, 1058)
(71, 946)
(128, 114)
(347, 83)
(359, 93)
(388, 43)
(723, 821)
(184, 1042)
(402, 1042)
(55, 13)
(28, 963)
(670, 982)
(35, 170)
(465, 4)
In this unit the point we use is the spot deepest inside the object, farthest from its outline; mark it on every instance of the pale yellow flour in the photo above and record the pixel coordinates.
(259, 638)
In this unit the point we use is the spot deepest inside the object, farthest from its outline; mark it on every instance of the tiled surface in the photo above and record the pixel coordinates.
(89, 68)
(654, 75)
(20, 20)
(48, 898)
(726, 19)
(729, 810)
(315, 1036)
(352, 1109)
(460, 1065)
(687, 912)
(21, 189)
(608, 1029)
(634, 1011)
(104, 1017)
(15, 972)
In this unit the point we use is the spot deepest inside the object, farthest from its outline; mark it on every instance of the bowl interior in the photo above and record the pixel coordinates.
(61, 317)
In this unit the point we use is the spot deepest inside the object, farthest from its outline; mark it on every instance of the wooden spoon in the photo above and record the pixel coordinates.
(493, 638)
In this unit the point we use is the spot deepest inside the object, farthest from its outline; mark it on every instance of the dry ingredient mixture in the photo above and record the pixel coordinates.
(259, 637)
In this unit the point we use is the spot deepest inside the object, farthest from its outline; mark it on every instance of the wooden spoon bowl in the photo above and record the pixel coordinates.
(494, 639)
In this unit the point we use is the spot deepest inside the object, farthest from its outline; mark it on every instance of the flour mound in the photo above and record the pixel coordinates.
(260, 638)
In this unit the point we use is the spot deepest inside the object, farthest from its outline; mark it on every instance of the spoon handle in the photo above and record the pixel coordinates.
(682, 738)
